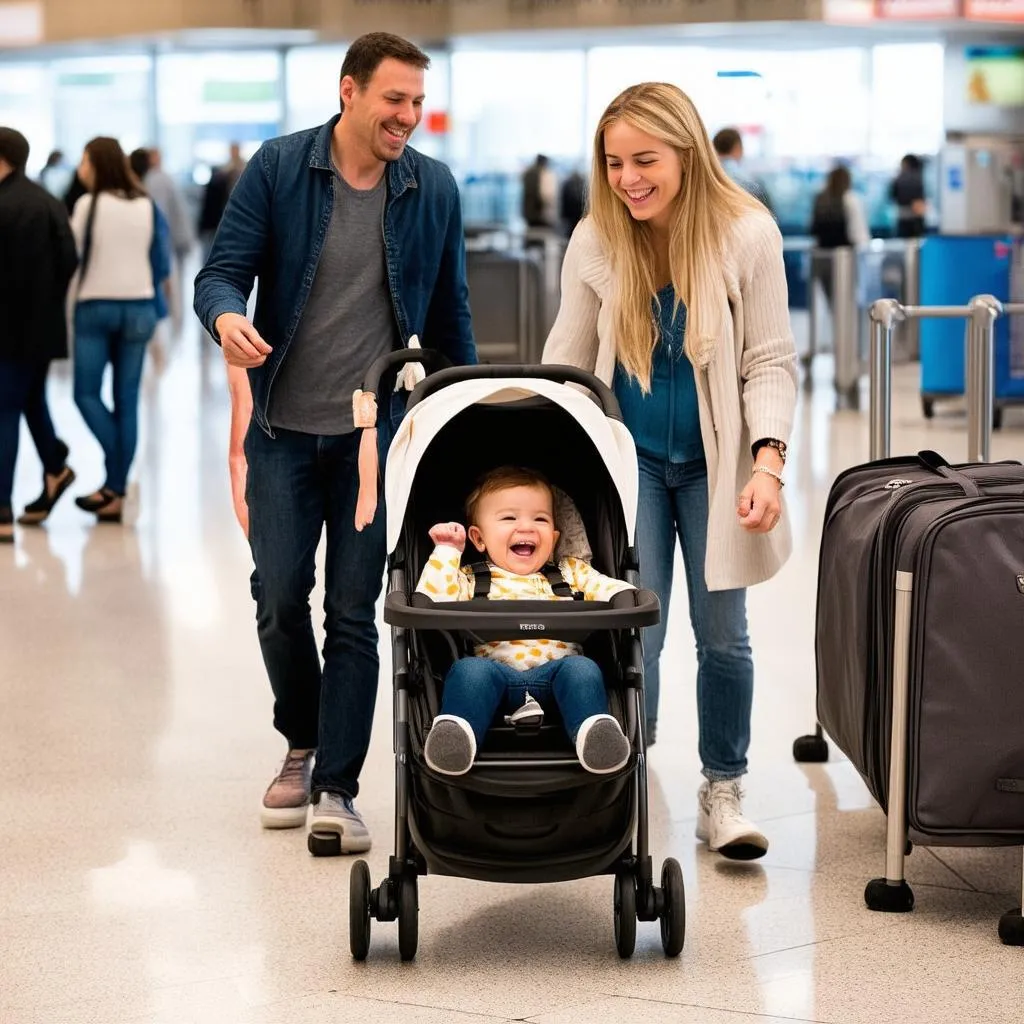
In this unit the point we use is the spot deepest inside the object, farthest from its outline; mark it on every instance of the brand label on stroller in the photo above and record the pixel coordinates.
(532, 627)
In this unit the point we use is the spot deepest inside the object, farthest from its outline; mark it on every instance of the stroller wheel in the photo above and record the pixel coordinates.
(673, 914)
(625, 914)
(359, 910)
(408, 916)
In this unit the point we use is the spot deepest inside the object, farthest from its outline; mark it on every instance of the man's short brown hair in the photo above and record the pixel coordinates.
(365, 55)
(502, 479)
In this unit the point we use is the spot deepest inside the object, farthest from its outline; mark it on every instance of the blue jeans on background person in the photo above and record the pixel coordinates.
(295, 485)
(23, 393)
(115, 332)
(475, 688)
(673, 501)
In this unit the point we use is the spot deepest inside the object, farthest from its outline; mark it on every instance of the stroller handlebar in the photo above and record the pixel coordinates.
(431, 359)
(548, 371)
(524, 619)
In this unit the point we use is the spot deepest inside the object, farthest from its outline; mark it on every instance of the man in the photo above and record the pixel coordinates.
(56, 175)
(728, 145)
(37, 260)
(164, 191)
(216, 195)
(357, 240)
(907, 192)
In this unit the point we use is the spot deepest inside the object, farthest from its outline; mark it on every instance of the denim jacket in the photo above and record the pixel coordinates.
(274, 229)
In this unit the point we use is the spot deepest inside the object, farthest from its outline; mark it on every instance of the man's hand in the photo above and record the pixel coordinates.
(240, 341)
(759, 508)
(452, 535)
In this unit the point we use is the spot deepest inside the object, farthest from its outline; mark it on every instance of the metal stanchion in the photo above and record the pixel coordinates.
(885, 314)
(845, 340)
(910, 330)
(980, 380)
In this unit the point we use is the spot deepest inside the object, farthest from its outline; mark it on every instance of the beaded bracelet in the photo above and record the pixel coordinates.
(771, 473)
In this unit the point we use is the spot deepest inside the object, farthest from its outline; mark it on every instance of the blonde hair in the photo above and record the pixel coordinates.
(504, 478)
(707, 202)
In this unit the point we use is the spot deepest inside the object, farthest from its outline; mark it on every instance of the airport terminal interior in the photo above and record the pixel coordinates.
(136, 736)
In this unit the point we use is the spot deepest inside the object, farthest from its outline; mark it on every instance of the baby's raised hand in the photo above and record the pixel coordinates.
(451, 534)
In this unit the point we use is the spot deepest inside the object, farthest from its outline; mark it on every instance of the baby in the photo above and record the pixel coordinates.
(512, 523)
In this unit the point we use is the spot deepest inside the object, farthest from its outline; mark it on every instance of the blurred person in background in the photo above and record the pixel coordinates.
(358, 243)
(907, 192)
(540, 194)
(164, 191)
(838, 221)
(37, 261)
(216, 195)
(674, 294)
(124, 244)
(572, 202)
(56, 176)
(728, 145)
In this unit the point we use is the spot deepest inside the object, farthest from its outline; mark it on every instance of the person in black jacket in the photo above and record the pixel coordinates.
(907, 192)
(37, 261)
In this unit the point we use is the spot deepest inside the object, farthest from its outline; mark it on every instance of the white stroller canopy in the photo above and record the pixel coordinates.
(425, 421)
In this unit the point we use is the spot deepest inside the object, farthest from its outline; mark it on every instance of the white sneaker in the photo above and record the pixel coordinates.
(720, 822)
(335, 812)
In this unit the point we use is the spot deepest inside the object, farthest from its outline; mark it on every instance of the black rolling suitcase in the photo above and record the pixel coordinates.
(920, 652)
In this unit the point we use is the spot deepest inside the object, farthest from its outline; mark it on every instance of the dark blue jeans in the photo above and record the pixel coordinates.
(296, 485)
(115, 332)
(674, 502)
(23, 393)
(476, 687)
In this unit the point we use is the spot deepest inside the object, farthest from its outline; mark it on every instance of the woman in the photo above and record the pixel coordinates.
(838, 221)
(124, 256)
(674, 293)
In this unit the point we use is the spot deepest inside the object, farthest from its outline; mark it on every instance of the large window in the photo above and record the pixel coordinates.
(208, 100)
(26, 104)
(108, 95)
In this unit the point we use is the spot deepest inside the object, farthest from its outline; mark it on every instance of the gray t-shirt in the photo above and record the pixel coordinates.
(348, 321)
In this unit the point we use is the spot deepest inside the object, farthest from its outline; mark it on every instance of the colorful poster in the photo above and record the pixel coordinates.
(995, 75)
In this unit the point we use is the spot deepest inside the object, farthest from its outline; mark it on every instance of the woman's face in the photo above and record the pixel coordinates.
(86, 171)
(644, 172)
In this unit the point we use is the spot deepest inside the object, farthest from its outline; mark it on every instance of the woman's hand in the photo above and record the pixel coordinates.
(759, 508)
(452, 535)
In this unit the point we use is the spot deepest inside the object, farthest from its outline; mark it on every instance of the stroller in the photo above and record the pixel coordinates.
(527, 811)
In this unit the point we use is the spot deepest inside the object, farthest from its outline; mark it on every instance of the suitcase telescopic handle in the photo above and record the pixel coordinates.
(980, 315)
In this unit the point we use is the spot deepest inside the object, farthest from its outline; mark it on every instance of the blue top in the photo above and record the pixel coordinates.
(665, 423)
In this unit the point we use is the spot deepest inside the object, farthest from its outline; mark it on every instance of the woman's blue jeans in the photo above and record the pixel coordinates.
(116, 332)
(674, 503)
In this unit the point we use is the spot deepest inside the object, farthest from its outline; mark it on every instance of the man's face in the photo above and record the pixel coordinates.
(387, 111)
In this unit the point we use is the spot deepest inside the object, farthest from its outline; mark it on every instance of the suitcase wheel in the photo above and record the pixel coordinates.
(889, 899)
(1011, 928)
(810, 749)
(928, 408)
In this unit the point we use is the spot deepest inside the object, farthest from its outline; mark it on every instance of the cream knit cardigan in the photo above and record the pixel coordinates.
(747, 389)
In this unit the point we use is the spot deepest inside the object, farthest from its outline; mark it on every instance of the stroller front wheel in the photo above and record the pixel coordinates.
(625, 914)
(408, 916)
(673, 913)
(359, 910)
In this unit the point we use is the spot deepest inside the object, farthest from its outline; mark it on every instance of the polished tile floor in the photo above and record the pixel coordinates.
(135, 742)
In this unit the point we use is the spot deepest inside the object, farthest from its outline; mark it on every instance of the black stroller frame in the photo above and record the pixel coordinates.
(621, 798)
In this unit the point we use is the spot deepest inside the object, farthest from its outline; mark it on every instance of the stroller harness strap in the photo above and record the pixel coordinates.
(559, 586)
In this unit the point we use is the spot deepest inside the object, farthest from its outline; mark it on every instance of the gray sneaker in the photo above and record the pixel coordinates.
(335, 813)
(287, 797)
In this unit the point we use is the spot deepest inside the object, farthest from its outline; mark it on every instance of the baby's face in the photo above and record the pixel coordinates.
(516, 527)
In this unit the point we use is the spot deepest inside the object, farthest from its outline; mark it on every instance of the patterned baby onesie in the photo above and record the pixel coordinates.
(444, 579)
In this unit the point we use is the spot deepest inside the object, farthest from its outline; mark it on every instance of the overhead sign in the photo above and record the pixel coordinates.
(913, 10)
(994, 10)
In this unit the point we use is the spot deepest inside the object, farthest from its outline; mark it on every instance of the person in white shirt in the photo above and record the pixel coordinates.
(115, 227)
(512, 525)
